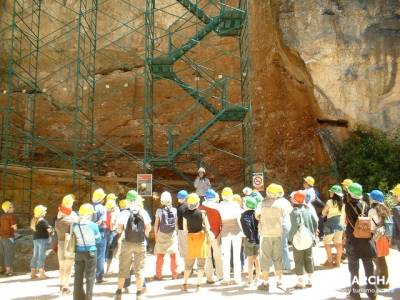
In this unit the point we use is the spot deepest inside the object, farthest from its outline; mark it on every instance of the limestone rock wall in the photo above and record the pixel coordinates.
(351, 50)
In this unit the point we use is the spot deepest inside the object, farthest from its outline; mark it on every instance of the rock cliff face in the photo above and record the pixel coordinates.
(311, 60)
(351, 50)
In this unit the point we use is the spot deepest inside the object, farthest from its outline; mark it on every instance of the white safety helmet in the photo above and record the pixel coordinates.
(247, 191)
(166, 198)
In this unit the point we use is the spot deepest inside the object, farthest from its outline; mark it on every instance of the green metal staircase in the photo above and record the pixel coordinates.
(228, 23)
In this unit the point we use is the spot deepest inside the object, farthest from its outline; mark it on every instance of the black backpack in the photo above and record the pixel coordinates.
(168, 220)
(134, 232)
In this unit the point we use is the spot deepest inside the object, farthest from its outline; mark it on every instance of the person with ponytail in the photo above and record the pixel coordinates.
(333, 230)
(41, 233)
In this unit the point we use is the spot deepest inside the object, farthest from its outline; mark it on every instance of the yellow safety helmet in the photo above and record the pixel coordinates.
(309, 180)
(237, 198)
(396, 190)
(111, 204)
(68, 200)
(6, 206)
(226, 192)
(39, 211)
(192, 199)
(347, 182)
(124, 204)
(86, 209)
(98, 195)
(274, 190)
(111, 196)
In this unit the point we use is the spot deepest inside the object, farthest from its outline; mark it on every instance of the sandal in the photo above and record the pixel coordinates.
(185, 287)
(66, 291)
(299, 286)
(327, 264)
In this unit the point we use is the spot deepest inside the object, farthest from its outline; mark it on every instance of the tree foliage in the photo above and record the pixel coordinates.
(371, 158)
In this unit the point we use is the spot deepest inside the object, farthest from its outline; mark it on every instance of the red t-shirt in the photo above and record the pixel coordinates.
(214, 218)
(6, 221)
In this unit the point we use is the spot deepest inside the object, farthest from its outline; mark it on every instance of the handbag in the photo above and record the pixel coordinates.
(303, 238)
(70, 243)
(382, 246)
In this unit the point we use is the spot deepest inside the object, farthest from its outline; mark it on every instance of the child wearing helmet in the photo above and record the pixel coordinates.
(180, 210)
(358, 248)
(380, 214)
(41, 233)
(63, 225)
(271, 229)
(231, 236)
(211, 207)
(8, 225)
(100, 218)
(87, 237)
(165, 235)
(333, 229)
(110, 229)
(197, 226)
(251, 242)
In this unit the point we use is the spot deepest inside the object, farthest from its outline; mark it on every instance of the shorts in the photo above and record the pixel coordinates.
(138, 250)
(336, 238)
(250, 249)
(271, 250)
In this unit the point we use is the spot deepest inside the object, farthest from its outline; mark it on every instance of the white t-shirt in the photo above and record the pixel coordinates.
(125, 214)
(287, 209)
(229, 210)
(311, 196)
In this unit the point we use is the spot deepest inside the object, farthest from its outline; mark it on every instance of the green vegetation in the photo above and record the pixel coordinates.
(371, 158)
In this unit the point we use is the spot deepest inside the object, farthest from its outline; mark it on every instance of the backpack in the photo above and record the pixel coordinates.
(134, 232)
(168, 220)
(362, 228)
(303, 238)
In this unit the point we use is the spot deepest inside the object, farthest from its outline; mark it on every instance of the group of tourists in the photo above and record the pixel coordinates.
(216, 233)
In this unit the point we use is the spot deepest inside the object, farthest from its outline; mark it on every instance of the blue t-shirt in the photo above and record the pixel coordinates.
(100, 214)
(87, 235)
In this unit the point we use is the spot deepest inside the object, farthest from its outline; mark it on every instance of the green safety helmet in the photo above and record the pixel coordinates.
(132, 195)
(336, 189)
(250, 202)
(355, 190)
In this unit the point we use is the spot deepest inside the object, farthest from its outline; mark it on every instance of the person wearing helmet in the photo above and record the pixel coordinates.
(333, 229)
(110, 229)
(41, 233)
(231, 236)
(196, 224)
(87, 236)
(63, 225)
(358, 248)
(211, 207)
(201, 183)
(285, 204)
(100, 218)
(135, 226)
(182, 234)
(8, 225)
(251, 243)
(396, 217)
(271, 229)
(302, 253)
(345, 185)
(308, 184)
(380, 214)
(165, 235)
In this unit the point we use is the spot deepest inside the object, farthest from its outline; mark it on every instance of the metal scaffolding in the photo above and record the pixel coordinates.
(194, 69)
(191, 54)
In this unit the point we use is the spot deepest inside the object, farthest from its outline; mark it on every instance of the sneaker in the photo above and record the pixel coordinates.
(263, 287)
(158, 278)
(139, 295)
(101, 280)
(210, 281)
(327, 264)
(309, 284)
(118, 295)
(299, 286)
